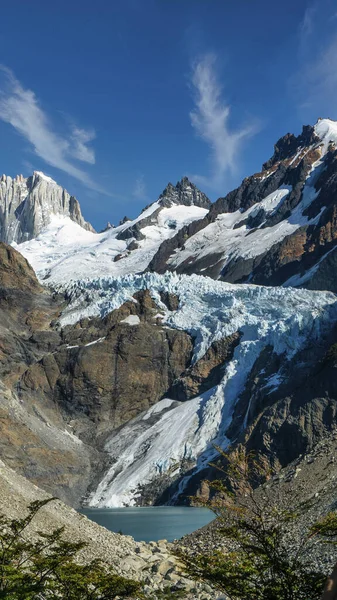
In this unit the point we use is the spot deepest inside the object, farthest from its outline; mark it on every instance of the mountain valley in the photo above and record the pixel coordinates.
(164, 330)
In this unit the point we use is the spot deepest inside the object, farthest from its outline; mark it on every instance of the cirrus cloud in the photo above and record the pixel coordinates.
(20, 108)
(210, 119)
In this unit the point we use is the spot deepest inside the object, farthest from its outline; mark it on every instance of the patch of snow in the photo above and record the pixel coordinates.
(158, 408)
(273, 383)
(101, 339)
(72, 436)
(131, 320)
(44, 177)
(326, 131)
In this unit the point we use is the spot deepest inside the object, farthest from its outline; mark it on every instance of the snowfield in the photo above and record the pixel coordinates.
(64, 250)
(284, 318)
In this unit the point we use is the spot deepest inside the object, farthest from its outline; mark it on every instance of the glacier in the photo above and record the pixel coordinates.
(172, 432)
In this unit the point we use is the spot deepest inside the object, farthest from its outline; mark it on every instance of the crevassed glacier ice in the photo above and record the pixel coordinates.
(284, 318)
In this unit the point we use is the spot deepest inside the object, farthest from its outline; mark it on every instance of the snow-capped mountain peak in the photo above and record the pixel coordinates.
(275, 228)
(326, 130)
(27, 206)
(39, 175)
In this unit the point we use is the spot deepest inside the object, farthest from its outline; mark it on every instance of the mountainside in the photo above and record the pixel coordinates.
(277, 228)
(28, 205)
(251, 345)
(62, 391)
(64, 250)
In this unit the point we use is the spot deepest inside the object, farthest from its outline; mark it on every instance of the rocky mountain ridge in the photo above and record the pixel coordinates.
(276, 228)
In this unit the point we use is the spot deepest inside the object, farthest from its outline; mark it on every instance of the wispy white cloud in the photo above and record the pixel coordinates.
(306, 27)
(79, 140)
(210, 119)
(314, 82)
(139, 190)
(20, 108)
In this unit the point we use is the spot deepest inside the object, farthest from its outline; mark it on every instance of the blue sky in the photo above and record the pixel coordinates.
(115, 99)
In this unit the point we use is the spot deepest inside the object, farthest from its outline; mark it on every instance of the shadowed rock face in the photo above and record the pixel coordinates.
(206, 372)
(281, 423)
(16, 271)
(105, 372)
(27, 206)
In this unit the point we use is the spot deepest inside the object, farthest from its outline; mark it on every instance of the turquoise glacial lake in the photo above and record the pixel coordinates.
(151, 523)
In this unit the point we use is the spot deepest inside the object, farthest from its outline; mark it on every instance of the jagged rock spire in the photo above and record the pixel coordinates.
(185, 193)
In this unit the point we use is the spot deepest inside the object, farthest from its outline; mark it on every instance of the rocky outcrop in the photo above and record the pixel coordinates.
(207, 372)
(107, 371)
(183, 193)
(16, 272)
(28, 205)
(289, 144)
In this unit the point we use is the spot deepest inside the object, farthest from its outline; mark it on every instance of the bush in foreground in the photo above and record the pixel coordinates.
(46, 568)
(259, 558)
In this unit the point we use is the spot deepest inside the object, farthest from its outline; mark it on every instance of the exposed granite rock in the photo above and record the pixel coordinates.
(289, 143)
(109, 370)
(206, 372)
(28, 205)
(16, 272)
(171, 301)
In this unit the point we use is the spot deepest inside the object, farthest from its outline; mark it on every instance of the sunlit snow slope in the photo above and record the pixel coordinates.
(172, 432)
(65, 251)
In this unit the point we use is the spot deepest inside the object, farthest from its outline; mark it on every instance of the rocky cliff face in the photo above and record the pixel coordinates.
(28, 205)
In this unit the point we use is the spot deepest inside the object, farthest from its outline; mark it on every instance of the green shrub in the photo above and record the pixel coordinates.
(255, 532)
(46, 569)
